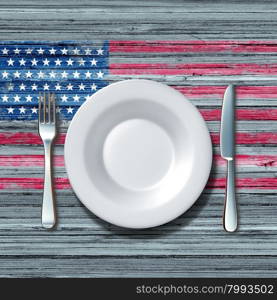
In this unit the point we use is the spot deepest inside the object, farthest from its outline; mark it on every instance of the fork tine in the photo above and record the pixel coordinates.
(44, 108)
(49, 108)
(54, 108)
(39, 108)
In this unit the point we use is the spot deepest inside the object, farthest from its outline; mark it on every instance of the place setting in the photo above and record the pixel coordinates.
(138, 154)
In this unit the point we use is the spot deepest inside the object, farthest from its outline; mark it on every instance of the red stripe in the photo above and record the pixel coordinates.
(38, 160)
(194, 69)
(14, 138)
(243, 138)
(28, 160)
(249, 160)
(241, 114)
(256, 183)
(192, 46)
(260, 92)
(63, 183)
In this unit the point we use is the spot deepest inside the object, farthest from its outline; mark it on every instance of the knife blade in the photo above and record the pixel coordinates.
(227, 149)
(227, 132)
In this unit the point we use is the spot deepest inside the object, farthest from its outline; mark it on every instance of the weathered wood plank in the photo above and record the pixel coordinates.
(146, 20)
(120, 266)
(30, 128)
(33, 163)
(59, 150)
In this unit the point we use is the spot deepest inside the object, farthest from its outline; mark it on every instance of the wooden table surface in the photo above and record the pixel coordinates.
(194, 245)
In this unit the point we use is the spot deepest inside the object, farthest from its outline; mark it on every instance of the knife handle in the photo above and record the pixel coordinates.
(230, 218)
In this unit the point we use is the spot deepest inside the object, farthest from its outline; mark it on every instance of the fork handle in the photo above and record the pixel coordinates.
(48, 214)
(230, 208)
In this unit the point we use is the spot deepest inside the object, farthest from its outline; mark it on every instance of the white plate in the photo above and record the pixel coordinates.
(138, 153)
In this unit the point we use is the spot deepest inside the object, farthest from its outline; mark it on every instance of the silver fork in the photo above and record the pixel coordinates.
(47, 132)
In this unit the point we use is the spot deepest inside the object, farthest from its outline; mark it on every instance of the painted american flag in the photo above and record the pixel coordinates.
(73, 72)
(198, 69)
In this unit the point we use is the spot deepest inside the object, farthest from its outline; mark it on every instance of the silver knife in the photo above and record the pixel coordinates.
(227, 148)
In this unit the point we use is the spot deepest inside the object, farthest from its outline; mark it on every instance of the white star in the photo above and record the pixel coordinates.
(58, 87)
(100, 51)
(87, 51)
(16, 74)
(64, 51)
(100, 74)
(64, 74)
(22, 87)
(82, 87)
(76, 74)
(88, 74)
(10, 62)
(93, 62)
(81, 62)
(58, 109)
(29, 98)
(40, 51)
(5, 74)
(76, 98)
(64, 98)
(34, 110)
(40, 74)
(69, 62)
(5, 98)
(93, 87)
(46, 86)
(76, 51)
(16, 98)
(29, 51)
(87, 97)
(58, 62)
(52, 74)
(34, 87)
(22, 110)
(34, 62)
(46, 62)
(29, 74)
(10, 110)
(52, 51)
(22, 62)
(10, 87)
(16, 51)
(5, 51)
(70, 87)
(69, 110)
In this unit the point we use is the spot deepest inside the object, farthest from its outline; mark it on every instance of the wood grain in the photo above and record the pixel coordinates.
(163, 20)
(211, 43)
(137, 266)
